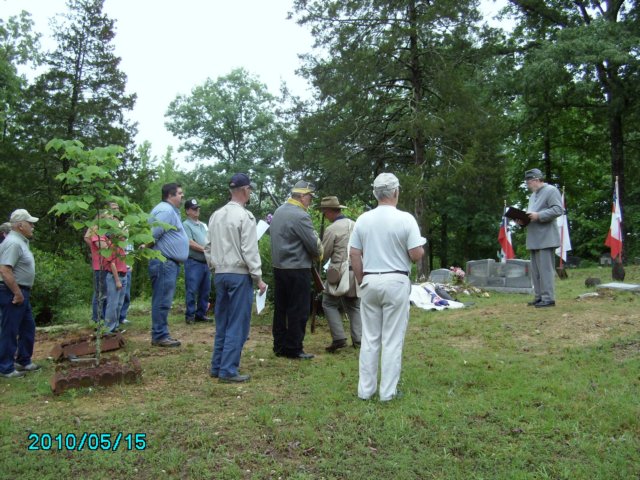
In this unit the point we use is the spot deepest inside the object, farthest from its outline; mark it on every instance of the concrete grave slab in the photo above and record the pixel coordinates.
(626, 287)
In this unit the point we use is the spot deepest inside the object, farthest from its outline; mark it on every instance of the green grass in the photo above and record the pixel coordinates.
(495, 391)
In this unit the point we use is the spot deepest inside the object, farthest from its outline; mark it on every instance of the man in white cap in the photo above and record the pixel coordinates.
(384, 243)
(294, 246)
(17, 274)
(543, 237)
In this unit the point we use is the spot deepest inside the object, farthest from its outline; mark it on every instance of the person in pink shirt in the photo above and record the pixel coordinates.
(116, 281)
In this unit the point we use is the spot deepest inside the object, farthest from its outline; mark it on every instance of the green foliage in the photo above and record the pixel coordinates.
(231, 122)
(79, 93)
(400, 88)
(62, 281)
(91, 180)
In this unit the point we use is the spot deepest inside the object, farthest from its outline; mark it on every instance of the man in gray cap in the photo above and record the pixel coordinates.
(384, 243)
(335, 244)
(197, 277)
(17, 274)
(294, 246)
(543, 237)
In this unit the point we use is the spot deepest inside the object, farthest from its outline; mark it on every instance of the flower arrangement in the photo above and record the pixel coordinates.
(268, 218)
(458, 274)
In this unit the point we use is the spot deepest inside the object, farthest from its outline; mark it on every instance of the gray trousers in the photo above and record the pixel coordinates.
(543, 274)
(351, 305)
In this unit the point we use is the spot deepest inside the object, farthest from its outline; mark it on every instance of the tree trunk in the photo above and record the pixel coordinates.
(417, 137)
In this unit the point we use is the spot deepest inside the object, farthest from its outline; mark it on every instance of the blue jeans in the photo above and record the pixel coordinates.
(17, 330)
(99, 281)
(115, 298)
(197, 282)
(164, 276)
(127, 298)
(234, 297)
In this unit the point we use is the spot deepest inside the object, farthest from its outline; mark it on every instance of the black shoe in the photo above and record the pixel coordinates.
(550, 303)
(534, 303)
(303, 356)
(237, 379)
(336, 345)
(397, 396)
(166, 342)
(190, 320)
(204, 319)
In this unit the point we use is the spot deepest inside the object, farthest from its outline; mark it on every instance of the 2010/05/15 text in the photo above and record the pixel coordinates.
(87, 441)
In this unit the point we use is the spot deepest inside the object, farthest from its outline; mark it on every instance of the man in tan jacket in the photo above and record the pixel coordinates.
(335, 245)
(232, 250)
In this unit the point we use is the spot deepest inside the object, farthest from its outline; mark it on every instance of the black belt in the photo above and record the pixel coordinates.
(4, 285)
(174, 261)
(196, 260)
(120, 274)
(385, 273)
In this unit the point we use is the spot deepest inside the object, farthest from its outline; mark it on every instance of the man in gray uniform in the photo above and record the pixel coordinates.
(543, 237)
(294, 246)
(335, 245)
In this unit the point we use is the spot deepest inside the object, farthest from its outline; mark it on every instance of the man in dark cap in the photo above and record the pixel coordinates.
(341, 289)
(543, 237)
(197, 277)
(294, 246)
(232, 251)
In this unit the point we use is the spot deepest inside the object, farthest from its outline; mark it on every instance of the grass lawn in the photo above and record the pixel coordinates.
(495, 391)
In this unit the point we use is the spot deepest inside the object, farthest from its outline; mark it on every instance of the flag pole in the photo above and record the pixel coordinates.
(562, 230)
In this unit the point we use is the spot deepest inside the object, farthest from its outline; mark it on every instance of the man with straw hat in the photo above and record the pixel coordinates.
(341, 286)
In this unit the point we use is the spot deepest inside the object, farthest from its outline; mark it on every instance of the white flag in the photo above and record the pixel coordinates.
(563, 228)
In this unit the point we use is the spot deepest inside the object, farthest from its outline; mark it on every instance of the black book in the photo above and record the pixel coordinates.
(517, 214)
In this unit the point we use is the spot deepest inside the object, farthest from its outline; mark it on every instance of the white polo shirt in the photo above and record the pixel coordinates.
(385, 235)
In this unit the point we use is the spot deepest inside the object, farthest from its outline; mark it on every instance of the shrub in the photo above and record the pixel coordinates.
(62, 281)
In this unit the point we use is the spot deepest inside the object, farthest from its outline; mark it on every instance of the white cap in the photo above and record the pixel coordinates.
(21, 215)
(386, 180)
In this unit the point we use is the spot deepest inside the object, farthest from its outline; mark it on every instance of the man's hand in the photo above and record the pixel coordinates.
(18, 298)
(262, 287)
(534, 216)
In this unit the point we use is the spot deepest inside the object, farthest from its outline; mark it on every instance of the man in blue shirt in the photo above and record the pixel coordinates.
(173, 244)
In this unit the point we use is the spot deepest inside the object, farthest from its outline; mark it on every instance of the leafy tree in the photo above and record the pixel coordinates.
(229, 123)
(580, 61)
(91, 178)
(81, 95)
(395, 91)
(18, 46)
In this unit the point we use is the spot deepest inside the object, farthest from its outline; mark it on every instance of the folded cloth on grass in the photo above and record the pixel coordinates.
(424, 296)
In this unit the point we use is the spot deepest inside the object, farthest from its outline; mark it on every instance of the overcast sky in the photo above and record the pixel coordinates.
(168, 47)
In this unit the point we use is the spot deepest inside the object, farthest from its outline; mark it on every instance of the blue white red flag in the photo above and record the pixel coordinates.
(614, 238)
(504, 239)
